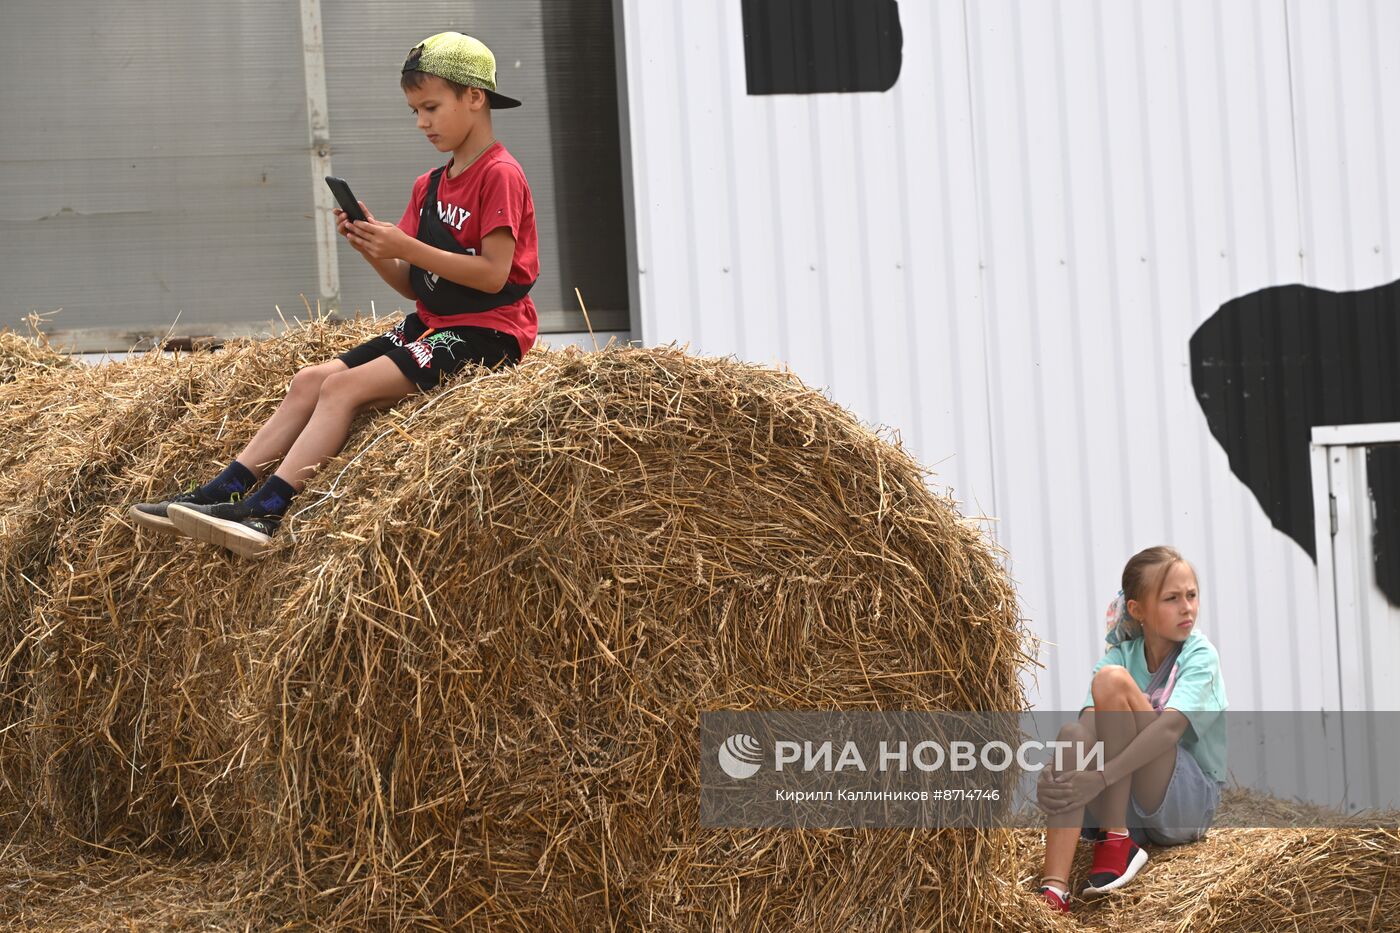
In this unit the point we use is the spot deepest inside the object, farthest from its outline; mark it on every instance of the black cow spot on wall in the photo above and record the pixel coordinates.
(821, 46)
(1269, 366)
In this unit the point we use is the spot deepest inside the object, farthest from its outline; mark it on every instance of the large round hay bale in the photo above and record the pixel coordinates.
(491, 677)
(75, 438)
(67, 431)
(465, 686)
(75, 576)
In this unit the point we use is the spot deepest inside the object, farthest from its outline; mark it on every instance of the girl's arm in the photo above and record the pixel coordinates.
(1067, 790)
(1153, 742)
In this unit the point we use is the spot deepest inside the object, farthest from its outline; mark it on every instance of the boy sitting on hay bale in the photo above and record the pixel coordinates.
(465, 249)
(1156, 703)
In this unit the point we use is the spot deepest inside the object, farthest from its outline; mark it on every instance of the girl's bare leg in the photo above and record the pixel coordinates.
(1062, 829)
(1116, 694)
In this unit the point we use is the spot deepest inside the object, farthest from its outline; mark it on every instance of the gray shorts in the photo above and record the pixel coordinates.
(1186, 812)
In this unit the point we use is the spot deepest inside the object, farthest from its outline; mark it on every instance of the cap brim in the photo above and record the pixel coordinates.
(500, 101)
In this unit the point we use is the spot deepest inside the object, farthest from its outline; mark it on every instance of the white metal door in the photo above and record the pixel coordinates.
(1364, 629)
(1367, 626)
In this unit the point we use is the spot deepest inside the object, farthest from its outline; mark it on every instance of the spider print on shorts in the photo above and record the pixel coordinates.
(443, 340)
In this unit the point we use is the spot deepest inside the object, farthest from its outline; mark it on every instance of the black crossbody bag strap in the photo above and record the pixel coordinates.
(438, 294)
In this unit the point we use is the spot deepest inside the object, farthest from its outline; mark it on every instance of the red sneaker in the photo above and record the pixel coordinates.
(1053, 898)
(1116, 860)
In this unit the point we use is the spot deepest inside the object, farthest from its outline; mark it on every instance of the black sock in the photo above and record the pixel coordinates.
(236, 478)
(272, 498)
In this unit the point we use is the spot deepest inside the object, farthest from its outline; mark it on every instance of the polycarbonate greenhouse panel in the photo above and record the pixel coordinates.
(153, 163)
(156, 158)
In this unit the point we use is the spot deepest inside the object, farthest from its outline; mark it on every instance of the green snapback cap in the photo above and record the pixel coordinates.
(459, 58)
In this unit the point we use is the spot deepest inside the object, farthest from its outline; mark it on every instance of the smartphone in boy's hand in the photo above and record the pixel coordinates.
(345, 198)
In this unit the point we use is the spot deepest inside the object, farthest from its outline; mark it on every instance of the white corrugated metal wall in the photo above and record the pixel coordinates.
(1004, 257)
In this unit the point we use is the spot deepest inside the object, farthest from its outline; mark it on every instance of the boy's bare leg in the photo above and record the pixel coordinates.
(1115, 692)
(376, 385)
(277, 435)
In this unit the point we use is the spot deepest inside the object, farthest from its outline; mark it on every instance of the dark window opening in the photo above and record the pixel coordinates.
(821, 46)
(1383, 477)
(587, 157)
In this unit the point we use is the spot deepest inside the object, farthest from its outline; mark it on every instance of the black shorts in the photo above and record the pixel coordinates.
(427, 355)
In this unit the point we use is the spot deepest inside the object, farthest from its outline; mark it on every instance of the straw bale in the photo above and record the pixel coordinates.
(66, 432)
(73, 437)
(466, 682)
(1307, 880)
(508, 725)
(20, 354)
(165, 422)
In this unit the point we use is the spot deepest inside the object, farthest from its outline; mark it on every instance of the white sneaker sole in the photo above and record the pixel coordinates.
(240, 539)
(153, 522)
(1134, 865)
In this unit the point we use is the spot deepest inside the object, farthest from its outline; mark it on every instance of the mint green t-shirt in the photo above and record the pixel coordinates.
(1198, 693)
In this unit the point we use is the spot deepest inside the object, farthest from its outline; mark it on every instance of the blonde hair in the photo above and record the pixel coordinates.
(1143, 576)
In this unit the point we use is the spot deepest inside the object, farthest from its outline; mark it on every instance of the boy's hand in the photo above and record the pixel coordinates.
(376, 239)
(342, 223)
(373, 239)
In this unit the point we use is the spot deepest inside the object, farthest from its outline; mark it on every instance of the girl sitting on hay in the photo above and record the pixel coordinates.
(1155, 703)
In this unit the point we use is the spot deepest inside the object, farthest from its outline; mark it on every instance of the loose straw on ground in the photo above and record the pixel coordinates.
(462, 690)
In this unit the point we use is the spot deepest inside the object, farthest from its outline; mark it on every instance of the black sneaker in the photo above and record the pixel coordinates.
(153, 515)
(226, 524)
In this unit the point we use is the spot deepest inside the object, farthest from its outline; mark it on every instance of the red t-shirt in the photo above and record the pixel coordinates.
(492, 193)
